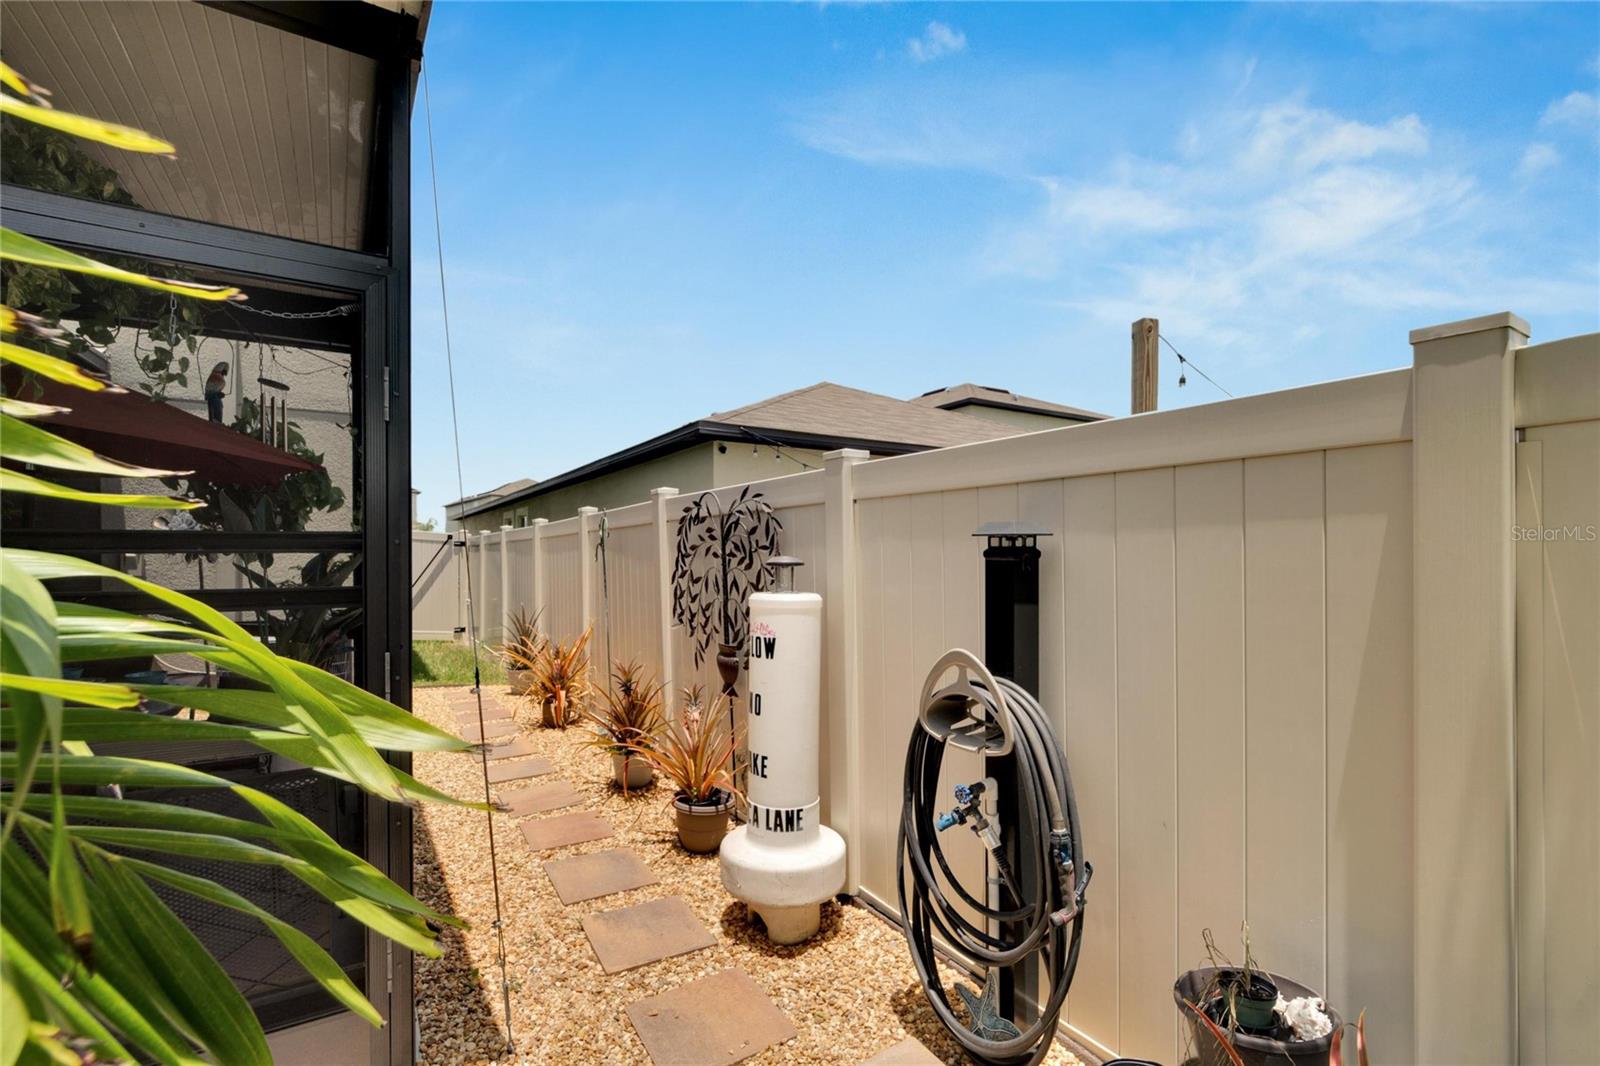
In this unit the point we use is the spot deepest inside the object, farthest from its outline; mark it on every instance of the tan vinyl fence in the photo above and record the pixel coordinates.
(1281, 640)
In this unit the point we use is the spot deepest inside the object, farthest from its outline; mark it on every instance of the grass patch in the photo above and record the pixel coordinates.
(444, 662)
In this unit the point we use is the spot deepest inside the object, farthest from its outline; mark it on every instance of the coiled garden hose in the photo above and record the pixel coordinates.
(1040, 909)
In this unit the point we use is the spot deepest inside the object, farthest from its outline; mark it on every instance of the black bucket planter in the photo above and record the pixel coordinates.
(1254, 1050)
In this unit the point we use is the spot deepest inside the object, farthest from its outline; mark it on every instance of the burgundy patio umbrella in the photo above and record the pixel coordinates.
(137, 429)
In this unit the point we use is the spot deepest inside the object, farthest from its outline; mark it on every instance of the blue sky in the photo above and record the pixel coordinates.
(655, 212)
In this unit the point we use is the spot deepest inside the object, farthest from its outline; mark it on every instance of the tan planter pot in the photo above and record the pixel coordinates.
(632, 773)
(701, 828)
(547, 713)
(520, 680)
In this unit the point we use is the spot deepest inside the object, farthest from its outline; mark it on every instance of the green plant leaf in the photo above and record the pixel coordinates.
(28, 645)
(25, 970)
(124, 137)
(406, 929)
(318, 963)
(187, 974)
(21, 248)
(13, 1017)
(129, 1002)
(16, 481)
(321, 718)
(93, 693)
(48, 366)
(69, 903)
(302, 838)
(27, 443)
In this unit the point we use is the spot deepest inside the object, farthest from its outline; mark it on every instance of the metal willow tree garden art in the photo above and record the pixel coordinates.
(722, 556)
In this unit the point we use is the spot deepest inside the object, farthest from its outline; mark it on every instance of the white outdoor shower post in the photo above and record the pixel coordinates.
(784, 863)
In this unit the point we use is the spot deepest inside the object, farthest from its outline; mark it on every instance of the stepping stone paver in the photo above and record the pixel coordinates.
(598, 874)
(713, 1021)
(470, 706)
(539, 798)
(580, 827)
(630, 937)
(517, 769)
(909, 1052)
(518, 747)
(491, 730)
(467, 719)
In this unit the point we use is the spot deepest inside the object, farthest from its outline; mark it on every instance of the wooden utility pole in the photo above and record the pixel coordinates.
(1146, 348)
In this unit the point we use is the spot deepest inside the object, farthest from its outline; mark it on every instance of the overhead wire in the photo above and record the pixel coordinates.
(776, 447)
(1184, 360)
(472, 633)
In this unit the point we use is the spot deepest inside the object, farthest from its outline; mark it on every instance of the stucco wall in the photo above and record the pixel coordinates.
(741, 463)
(686, 470)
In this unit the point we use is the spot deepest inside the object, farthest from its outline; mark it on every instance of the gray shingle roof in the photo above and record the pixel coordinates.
(954, 397)
(835, 410)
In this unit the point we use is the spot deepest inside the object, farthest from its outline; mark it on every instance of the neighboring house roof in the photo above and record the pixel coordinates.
(496, 493)
(823, 416)
(835, 410)
(955, 397)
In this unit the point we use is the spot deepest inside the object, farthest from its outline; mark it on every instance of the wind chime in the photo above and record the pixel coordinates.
(274, 406)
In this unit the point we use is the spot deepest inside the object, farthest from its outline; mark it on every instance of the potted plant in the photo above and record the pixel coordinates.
(523, 646)
(1263, 1017)
(696, 754)
(561, 681)
(628, 719)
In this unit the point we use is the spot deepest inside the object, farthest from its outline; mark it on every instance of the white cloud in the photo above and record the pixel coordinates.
(1112, 206)
(1289, 134)
(936, 42)
(1283, 213)
(1536, 159)
(1351, 209)
(1574, 109)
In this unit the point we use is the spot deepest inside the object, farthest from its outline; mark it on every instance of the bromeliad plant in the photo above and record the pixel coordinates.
(695, 752)
(627, 719)
(561, 687)
(96, 966)
(523, 646)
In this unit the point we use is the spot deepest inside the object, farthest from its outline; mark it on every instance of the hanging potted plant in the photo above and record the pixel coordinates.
(523, 646)
(627, 720)
(696, 754)
(561, 685)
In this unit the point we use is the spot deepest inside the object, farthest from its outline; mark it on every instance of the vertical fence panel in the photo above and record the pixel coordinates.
(490, 593)
(1089, 548)
(1146, 760)
(963, 628)
(1210, 728)
(563, 617)
(625, 615)
(436, 592)
(519, 550)
(1558, 648)
(1285, 722)
(1369, 758)
(877, 801)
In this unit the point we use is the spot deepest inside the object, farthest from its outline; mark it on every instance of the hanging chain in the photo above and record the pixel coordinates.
(332, 312)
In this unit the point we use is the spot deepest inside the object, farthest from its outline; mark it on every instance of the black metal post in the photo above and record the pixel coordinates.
(1011, 650)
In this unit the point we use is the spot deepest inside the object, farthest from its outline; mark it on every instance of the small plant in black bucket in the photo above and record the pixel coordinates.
(1244, 1014)
(1241, 997)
